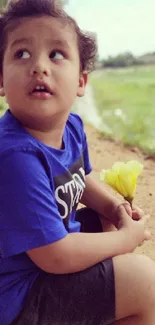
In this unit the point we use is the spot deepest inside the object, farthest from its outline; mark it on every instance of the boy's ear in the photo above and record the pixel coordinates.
(2, 93)
(83, 79)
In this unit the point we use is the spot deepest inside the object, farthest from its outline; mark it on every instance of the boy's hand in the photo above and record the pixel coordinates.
(135, 231)
(136, 213)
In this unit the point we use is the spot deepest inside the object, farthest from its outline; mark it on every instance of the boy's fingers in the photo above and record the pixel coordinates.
(144, 218)
(138, 210)
(147, 236)
(136, 215)
(127, 208)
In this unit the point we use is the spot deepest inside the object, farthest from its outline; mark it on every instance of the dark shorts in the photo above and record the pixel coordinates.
(83, 298)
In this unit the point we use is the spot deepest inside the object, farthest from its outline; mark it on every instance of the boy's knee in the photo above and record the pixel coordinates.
(134, 283)
(135, 261)
(134, 267)
(142, 263)
(138, 259)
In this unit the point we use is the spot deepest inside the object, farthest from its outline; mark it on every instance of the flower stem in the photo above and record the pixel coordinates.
(130, 201)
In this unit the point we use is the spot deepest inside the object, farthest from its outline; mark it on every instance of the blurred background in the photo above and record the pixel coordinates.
(121, 101)
(120, 97)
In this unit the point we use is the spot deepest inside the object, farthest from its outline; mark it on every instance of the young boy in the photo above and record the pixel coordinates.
(56, 265)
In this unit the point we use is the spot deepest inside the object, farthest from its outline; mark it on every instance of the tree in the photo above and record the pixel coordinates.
(121, 60)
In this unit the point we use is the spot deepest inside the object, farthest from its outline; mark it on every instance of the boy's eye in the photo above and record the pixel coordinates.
(57, 55)
(22, 54)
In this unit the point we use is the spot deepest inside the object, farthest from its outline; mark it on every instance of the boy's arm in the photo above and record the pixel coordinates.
(79, 251)
(99, 199)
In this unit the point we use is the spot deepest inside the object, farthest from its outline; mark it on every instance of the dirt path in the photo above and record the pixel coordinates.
(104, 153)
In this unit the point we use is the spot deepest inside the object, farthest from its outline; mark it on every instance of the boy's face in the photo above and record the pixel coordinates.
(41, 71)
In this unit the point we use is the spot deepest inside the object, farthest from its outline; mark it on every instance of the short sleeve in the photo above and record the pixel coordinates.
(87, 164)
(29, 216)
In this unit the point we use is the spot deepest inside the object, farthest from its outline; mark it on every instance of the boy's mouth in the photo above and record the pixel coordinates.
(41, 91)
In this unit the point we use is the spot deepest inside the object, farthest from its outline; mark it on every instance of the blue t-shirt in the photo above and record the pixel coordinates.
(40, 188)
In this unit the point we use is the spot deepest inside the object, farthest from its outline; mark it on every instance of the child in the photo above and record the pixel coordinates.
(57, 266)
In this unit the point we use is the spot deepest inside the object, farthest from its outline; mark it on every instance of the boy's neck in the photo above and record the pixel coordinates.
(53, 137)
(50, 138)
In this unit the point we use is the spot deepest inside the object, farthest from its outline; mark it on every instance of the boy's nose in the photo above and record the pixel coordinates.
(40, 68)
(38, 71)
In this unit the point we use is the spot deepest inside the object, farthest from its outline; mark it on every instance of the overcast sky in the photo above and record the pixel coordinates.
(121, 25)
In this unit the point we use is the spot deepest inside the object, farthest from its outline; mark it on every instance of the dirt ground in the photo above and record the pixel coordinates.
(104, 153)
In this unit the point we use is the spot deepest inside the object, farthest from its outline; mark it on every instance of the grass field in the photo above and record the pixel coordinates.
(3, 105)
(125, 100)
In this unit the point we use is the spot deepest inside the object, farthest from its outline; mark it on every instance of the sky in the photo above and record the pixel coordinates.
(120, 25)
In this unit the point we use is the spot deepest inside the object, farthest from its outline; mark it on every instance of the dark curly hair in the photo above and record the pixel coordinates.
(20, 9)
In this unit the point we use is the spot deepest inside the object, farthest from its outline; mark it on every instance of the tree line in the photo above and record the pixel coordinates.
(127, 59)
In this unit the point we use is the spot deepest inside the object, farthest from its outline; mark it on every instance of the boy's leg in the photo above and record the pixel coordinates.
(107, 225)
(134, 290)
(134, 279)
(82, 298)
(91, 221)
(118, 291)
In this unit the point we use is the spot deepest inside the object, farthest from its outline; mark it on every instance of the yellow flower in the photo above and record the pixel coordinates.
(123, 177)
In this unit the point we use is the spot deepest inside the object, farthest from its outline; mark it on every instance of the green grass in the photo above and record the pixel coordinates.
(125, 100)
(3, 105)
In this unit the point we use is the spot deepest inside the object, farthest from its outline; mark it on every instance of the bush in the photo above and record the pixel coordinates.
(121, 61)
